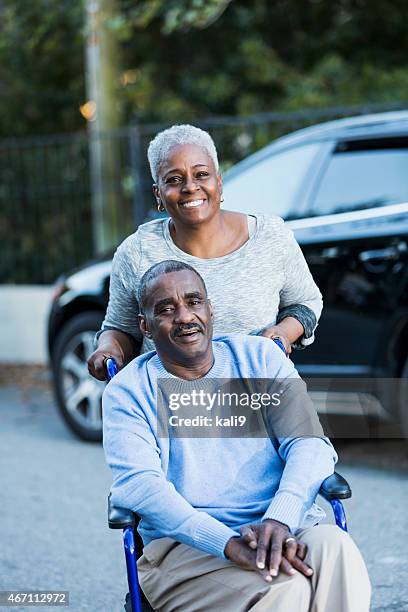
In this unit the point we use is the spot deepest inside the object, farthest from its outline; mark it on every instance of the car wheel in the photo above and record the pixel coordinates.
(78, 394)
(403, 400)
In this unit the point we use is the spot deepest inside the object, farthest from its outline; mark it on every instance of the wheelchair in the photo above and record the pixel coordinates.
(333, 489)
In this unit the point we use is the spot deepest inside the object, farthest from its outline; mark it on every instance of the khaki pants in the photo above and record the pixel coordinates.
(176, 577)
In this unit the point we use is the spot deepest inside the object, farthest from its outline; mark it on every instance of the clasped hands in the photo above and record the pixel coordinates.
(267, 548)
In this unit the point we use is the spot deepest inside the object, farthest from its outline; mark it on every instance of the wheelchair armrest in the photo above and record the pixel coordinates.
(119, 518)
(335, 487)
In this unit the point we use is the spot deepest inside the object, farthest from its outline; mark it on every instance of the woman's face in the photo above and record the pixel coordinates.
(188, 185)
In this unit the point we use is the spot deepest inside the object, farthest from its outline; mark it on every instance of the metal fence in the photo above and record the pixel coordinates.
(45, 205)
(46, 215)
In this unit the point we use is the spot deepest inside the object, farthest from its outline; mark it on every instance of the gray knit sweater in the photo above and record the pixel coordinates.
(255, 286)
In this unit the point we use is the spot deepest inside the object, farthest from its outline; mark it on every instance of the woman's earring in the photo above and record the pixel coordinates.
(222, 199)
(160, 206)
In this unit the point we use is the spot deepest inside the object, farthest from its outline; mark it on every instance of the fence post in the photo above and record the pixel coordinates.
(102, 52)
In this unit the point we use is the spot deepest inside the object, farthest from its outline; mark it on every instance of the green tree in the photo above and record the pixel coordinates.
(183, 59)
(180, 60)
(41, 66)
(261, 56)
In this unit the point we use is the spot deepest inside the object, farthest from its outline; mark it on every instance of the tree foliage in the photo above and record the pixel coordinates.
(41, 66)
(175, 15)
(184, 59)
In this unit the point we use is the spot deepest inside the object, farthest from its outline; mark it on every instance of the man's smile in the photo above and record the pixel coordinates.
(187, 334)
(188, 338)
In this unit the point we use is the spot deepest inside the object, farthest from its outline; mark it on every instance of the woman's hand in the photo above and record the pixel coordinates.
(114, 344)
(288, 331)
(274, 331)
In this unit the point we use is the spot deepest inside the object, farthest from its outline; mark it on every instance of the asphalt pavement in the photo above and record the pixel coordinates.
(54, 533)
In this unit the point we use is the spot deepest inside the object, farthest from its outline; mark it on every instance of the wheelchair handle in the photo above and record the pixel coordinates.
(280, 344)
(111, 367)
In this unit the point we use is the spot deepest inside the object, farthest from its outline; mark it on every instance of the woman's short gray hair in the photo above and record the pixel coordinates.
(164, 141)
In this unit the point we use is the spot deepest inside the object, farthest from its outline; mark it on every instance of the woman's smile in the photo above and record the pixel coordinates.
(192, 203)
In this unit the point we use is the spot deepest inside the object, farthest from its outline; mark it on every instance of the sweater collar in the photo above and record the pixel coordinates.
(238, 253)
(216, 371)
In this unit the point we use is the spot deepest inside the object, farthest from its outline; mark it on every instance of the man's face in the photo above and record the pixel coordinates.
(178, 316)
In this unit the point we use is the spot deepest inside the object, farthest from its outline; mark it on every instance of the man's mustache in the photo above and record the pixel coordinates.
(188, 326)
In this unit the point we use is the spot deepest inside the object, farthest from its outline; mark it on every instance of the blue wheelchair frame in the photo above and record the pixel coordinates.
(333, 489)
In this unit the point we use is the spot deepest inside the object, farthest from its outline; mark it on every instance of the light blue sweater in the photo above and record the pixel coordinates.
(199, 491)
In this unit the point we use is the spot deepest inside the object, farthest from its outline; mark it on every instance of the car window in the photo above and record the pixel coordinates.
(363, 176)
(270, 185)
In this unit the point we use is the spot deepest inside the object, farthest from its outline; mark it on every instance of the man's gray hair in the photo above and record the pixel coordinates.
(163, 267)
(163, 142)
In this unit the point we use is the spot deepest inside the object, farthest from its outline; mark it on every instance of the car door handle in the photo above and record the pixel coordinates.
(330, 253)
(389, 253)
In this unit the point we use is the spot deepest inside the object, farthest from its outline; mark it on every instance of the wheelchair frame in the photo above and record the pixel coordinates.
(333, 489)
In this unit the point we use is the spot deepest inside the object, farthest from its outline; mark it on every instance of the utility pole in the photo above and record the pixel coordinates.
(103, 114)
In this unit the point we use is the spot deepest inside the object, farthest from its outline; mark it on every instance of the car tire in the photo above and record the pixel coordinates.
(78, 395)
(403, 400)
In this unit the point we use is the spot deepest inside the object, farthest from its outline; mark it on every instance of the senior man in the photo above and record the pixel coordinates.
(227, 522)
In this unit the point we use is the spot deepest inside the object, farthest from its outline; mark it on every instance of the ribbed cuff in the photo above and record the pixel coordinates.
(286, 508)
(212, 536)
(103, 329)
(306, 318)
(137, 342)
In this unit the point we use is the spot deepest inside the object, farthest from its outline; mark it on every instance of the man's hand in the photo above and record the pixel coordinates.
(276, 548)
(267, 539)
(238, 552)
(294, 553)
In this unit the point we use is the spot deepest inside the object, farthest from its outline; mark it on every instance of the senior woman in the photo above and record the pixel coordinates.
(256, 275)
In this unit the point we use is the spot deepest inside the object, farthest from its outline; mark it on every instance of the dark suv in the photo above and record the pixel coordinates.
(342, 187)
